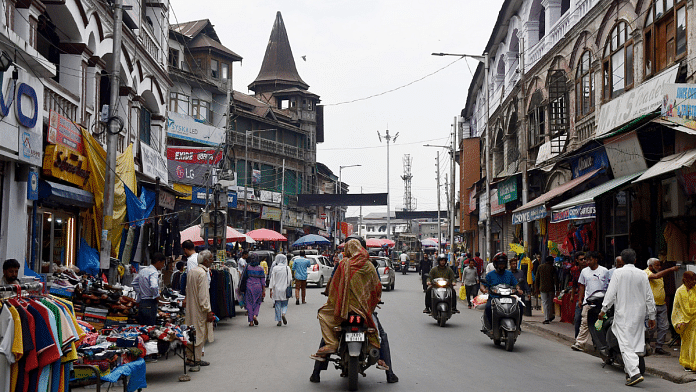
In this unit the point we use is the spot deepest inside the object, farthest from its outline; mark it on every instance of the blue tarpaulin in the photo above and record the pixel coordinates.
(139, 208)
(136, 371)
(87, 258)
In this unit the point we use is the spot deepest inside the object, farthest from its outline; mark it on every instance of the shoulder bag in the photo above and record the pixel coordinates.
(243, 282)
(288, 290)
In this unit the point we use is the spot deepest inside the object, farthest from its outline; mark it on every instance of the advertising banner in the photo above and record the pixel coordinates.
(60, 162)
(625, 154)
(588, 162)
(154, 164)
(184, 127)
(583, 211)
(64, 132)
(496, 208)
(270, 213)
(507, 190)
(188, 165)
(270, 197)
(21, 117)
(472, 200)
(195, 155)
(198, 197)
(529, 215)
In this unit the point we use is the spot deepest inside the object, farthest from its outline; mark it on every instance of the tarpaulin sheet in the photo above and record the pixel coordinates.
(136, 370)
(139, 208)
(125, 176)
(87, 258)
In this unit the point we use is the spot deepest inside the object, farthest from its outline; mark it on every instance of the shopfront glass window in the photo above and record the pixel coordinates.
(57, 234)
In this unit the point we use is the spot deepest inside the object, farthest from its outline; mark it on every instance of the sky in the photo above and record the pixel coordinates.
(367, 48)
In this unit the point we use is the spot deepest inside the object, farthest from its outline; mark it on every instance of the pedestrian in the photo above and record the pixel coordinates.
(470, 280)
(546, 285)
(198, 310)
(592, 279)
(299, 267)
(629, 292)
(255, 288)
(580, 264)
(281, 279)
(519, 275)
(618, 263)
(657, 285)
(241, 263)
(191, 256)
(264, 264)
(479, 264)
(10, 272)
(684, 320)
(176, 276)
(147, 289)
(425, 266)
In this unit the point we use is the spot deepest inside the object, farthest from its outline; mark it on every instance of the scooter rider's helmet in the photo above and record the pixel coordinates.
(500, 258)
(357, 237)
(441, 256)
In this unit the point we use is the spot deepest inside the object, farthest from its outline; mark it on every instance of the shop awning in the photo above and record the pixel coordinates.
(590, 195)
(677, 127)
(536, 209)
(65, 195)
(669, 164)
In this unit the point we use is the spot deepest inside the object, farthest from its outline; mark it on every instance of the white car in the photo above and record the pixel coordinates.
(319, 270)
(385, 269)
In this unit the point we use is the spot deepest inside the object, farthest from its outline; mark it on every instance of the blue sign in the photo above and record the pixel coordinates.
(589, 161)
(529, 215)
(198, 196)
(33, 186)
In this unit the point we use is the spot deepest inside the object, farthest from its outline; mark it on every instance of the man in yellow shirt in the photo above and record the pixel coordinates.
(657, 285)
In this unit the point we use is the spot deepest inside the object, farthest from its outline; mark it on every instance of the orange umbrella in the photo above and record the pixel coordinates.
(266, 235)
(193, 233)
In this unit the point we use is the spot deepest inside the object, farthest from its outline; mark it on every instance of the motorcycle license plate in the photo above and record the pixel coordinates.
(355, 337)
(506, 300)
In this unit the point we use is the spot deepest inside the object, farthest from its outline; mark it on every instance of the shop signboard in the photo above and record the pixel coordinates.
(62, 131)
(507, 190)
(60, 162)
(20, 126)
(625, 154)
(181, 126)
(529, 215)
(589, 161)
(166, 200)
(483, 207)
(33, 185)
(582, 211)
(189, 165)
(153, 163)
(194, 155)
(679, 104)
(270, 213)
(496, 208)
(198, 196)
(270, 197)
(634, 103)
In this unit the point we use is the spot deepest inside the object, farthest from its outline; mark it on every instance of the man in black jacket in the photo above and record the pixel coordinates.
(425, 266)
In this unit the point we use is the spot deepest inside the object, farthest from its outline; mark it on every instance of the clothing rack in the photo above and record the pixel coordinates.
(33, 286)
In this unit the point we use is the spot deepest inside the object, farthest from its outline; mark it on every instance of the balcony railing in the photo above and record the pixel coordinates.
(61, 102)
(151, 45)
(270, 146)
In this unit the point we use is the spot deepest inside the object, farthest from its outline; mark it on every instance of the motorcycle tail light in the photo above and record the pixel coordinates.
(354, 329)
(357, 319)
(350, 320)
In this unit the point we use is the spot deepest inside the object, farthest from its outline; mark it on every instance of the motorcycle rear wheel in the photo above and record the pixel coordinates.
(353, 368)
(509, 342)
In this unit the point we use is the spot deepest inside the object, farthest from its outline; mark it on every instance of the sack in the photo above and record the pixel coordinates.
(462, 293)
(243, 282)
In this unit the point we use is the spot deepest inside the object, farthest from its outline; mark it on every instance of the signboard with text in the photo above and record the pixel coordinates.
(64, 132)
(625, 154)
(507, 190)
(60, 162)
(589, 161)
(583, 211)
(529, 215)
(189, 165)
(21, 125)
(154, 164)
(181, 126)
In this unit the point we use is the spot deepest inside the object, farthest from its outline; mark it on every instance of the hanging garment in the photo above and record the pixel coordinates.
(677, 243)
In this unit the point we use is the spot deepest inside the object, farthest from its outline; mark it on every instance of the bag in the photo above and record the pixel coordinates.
(288, 290)
(243, 282)
(462, 293)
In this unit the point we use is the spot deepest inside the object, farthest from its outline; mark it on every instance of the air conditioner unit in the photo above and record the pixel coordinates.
(673, 199)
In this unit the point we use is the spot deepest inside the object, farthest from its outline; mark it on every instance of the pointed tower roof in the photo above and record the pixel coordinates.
(278, 69)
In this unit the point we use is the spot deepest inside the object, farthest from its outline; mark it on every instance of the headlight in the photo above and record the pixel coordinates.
(441, 282)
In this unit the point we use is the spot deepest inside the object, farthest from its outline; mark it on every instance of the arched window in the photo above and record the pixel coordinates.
(618, 62)
(499, 153)
(537, 123)
(559, 119)
(665, 34)
(584, 85)
(542, 23)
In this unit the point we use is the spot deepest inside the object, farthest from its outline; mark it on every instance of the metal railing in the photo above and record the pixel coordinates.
(60, 103)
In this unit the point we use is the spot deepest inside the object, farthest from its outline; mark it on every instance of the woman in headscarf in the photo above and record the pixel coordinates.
(684, 320)
(281, 278)
(255, 288)
(355, 287)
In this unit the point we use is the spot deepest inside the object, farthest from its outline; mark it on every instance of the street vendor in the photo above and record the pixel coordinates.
(147, 287)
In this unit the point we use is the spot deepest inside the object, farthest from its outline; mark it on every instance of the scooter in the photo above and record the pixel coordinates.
(441, 296)
(506, 317)
(354, 353)
(404, 267)
(604, 340)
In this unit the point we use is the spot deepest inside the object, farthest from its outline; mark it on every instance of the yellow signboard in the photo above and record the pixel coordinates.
(63, 163)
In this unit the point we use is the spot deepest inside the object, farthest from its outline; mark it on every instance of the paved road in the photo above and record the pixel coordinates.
(426, 357)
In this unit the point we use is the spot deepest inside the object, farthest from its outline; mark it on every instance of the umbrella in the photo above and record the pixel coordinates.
(193, 233)
(266, 235)
(428, 243)
(517, 248)
(387, 242)
(373, 243)
(311, 239)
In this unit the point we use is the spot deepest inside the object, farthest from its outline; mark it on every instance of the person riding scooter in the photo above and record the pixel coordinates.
(441, 270)
(500, 275)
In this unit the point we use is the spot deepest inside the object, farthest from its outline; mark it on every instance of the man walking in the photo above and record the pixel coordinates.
(545, 284)
(191, 256)
(580, 264)
(655, 274)
(629, 292)
(147, 289)
(470, 280)
(299, 267)
(592, 278)
(479, 264)
(198, 310)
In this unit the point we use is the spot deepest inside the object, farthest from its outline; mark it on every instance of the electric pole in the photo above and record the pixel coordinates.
(388, 138)
(439, 234)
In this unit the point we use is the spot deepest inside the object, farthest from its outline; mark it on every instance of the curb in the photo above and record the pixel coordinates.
(669, 376)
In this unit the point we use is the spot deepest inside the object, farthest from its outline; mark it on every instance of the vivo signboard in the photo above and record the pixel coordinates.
(21, 105)
(181, 126)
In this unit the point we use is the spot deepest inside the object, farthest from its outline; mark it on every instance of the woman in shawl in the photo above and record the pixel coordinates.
(281, 279)
(354, 287)
(684, 320)
(255, 288)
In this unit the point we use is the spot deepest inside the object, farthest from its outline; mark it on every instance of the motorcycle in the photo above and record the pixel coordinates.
(604, 340)
(354, 353)
(404, 267)
(506, 317)
(441, 296)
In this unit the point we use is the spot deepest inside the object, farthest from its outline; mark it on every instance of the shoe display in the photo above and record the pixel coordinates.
(634, 380)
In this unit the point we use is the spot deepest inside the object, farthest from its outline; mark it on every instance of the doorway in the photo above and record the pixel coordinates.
(57, 233)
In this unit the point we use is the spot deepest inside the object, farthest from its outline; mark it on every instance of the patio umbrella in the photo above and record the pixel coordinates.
(266, 235)
(311, 239)
(373, 243)
(387, 242)
(194, 234)
(429, 243)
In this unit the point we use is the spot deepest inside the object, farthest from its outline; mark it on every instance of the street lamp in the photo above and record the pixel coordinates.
(484, 60)
(339, 190)
(388, 138)
(246, 168)
(451, 203)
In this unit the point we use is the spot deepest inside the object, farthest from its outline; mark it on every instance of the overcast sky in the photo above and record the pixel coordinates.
(356, 49)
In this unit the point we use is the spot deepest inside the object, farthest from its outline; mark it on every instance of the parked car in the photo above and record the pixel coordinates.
(319, 270)
(386, 272)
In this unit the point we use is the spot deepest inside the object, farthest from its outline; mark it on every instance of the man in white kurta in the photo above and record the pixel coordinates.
(630, 294)
(198, 310)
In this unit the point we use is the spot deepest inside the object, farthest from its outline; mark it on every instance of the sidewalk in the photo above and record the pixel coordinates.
(661, 366)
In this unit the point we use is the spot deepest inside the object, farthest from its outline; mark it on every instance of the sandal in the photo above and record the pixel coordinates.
(381, 365)
(256, 321)
(325, 351)
(318, 358)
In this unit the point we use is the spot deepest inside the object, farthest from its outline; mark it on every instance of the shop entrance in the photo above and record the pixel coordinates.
(57, 233)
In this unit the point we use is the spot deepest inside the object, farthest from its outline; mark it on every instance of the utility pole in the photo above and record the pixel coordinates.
(526, 232)
(282, 197)
(452, 188)
(439, 234)
(388, 138)
(111, 140)
(360, 224)
(488, 163)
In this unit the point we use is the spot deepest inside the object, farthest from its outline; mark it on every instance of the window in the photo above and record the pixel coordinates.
(558, 104)
(225, 71)
(33, 29)
(542, 23)
(145, 117)
(173, 58)
(215, 69)
(200, 110)
(179, 103)
(584, 85)
(665, 34)
(9, 14)
(537, 123)
(618, 62)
